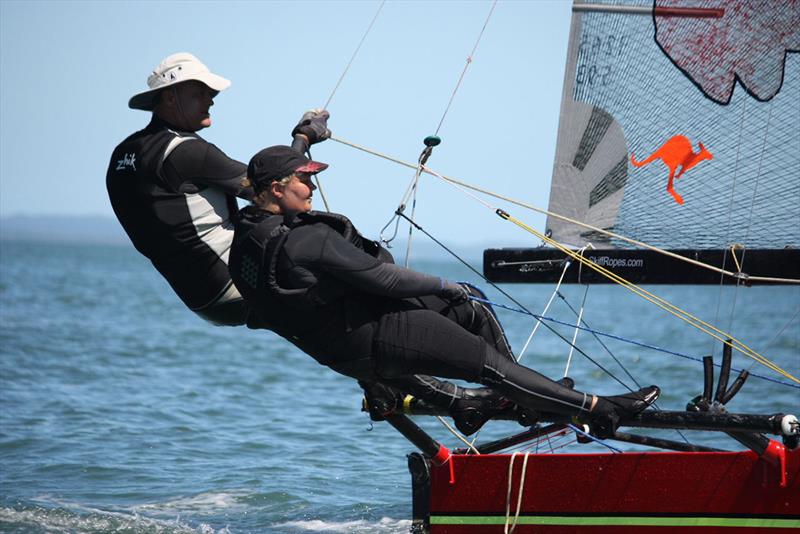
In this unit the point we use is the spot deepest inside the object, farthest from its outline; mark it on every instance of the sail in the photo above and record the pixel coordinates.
(679, 129)
(719, 87)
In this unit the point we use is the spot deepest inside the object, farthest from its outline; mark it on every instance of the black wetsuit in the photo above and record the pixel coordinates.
(319, 284)
(174, 194)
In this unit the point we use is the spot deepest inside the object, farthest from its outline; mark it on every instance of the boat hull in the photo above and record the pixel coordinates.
(600, 493)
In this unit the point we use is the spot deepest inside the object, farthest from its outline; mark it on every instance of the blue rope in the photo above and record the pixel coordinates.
(620, 338)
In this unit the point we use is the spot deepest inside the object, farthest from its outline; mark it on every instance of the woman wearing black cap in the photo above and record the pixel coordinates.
(314, 280)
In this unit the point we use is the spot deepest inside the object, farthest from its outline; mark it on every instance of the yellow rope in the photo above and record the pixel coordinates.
(654, 299)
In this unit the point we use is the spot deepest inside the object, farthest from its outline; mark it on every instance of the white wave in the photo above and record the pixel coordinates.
(61, 520)
(202, 503)
(385, 525)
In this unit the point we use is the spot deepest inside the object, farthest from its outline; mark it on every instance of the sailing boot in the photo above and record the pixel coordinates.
(470, 408)
(606, 412)
(473, 407)
(380, 400)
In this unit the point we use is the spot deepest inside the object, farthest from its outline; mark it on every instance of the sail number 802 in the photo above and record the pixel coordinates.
(593, 75)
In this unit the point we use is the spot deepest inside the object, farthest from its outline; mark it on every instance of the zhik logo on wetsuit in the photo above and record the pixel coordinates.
(128, 160)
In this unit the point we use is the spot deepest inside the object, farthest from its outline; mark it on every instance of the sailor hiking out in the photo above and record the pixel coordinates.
(314, 280)
(174, 192)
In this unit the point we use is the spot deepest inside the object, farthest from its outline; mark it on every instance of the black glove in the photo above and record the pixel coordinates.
(314, 125)
(454, 294)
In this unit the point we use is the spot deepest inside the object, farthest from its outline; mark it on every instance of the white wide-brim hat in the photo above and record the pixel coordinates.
(177, 68)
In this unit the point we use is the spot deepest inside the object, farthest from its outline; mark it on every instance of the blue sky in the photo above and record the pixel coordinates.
(68, 69)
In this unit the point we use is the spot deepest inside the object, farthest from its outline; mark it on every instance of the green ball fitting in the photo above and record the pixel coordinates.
(432, 140)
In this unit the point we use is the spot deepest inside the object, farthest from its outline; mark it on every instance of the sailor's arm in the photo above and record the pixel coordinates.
(354, 266)
(196, 163)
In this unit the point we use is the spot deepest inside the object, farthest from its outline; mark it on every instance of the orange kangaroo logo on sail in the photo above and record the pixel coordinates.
(676, 152)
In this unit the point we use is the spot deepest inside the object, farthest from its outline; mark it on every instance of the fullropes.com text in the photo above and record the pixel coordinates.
(607, 261)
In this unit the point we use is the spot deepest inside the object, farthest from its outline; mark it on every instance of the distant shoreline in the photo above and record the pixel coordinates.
(62, 228)
(105, 230)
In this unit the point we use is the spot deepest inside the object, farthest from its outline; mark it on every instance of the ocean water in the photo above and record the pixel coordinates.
(120, 411)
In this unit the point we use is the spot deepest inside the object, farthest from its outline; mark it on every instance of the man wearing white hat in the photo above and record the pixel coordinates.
(174, 192)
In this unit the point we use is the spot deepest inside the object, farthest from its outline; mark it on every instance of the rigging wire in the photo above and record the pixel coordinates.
(353, 57)
(752, 206)
(612, 355)
(317, 180)
(654, 299)
(432, 141)
(789, 322)
(728, 224)
(466, 66)
(458, 435)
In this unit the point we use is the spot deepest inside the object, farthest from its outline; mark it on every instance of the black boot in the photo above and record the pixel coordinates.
(605, 415)
(474, 407)
(380, 400)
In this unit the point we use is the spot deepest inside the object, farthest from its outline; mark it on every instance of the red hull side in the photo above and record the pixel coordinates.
(663, 491)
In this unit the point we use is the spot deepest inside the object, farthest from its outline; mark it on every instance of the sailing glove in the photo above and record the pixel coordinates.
(314, 125)
(454, 294)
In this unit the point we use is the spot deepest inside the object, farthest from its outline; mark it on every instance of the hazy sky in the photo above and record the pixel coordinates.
(68, 69)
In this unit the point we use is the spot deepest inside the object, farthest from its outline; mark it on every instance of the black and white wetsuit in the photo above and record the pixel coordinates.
(174, 194)
(315, 281)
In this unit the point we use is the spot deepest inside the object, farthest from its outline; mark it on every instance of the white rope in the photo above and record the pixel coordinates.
(544, 312)
(457, 434)
(577, 329)
(519, 494)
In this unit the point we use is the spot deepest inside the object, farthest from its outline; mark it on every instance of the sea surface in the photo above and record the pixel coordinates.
(120, 411)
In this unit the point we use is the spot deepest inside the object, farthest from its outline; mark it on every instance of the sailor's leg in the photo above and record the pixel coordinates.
(422, 341)
(531, 389)
(474, 316)
(488, 325)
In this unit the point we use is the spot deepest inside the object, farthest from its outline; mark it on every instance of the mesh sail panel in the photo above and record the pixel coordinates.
(714, 101)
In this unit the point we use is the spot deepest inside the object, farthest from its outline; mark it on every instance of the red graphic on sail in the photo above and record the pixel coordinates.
(676, 152)
(748, 43)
